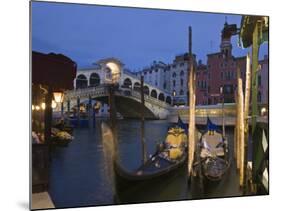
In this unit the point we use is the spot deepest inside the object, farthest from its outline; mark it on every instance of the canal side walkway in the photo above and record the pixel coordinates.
(41, 201)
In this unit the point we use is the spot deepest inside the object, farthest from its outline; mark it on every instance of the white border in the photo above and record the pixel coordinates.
(14, 106)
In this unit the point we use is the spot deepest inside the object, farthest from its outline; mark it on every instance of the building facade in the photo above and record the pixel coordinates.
(222, 69)
(215, 81)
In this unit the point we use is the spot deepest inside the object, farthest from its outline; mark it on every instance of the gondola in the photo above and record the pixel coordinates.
(213, 154)
(169, 157)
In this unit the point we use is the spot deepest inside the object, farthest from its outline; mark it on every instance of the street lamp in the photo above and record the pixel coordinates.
(174, 94)
(43, 106)
(54, 104)
(58, 97)
(37, 108)
(263, 111)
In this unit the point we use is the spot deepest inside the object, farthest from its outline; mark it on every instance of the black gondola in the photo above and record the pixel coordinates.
(213, 154)
(170, 156)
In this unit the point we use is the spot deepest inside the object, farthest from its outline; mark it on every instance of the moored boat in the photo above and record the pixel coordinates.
(169, 157)
(212, 153)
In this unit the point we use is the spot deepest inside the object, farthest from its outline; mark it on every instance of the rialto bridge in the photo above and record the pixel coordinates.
(93, 83)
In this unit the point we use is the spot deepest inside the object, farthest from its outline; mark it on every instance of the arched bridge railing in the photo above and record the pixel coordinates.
(147, 98)
(102, 90)
(86, 92)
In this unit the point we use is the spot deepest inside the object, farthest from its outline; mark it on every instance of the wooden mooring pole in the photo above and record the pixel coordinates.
(246, 119)
(241, 140)
(144, 154)
(191, 129)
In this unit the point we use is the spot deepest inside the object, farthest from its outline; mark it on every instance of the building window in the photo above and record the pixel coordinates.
(182, 73)
(174, 65)
(259, 96)
(165, 85)
(221, 75)
(259, 80)
(174, 75)
(181, 92)
(181, 64)
(181, 82)
(174, 83)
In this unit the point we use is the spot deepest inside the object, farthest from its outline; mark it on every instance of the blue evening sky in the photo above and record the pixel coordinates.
(87, 33)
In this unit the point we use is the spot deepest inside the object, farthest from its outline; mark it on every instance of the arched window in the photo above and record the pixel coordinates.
(168, 100)
(137, 86)
(174, 83)
(174, 75)
(259, 80)
(146, 90)
(81, 81)
(94, 79)
(181, 82)
(182, 73)
(259, 97)
(161, 97)
(181, 92)
(127, 83)
(165, 85)
(153, 93)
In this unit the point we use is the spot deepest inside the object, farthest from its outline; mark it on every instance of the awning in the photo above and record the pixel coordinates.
(53, 70)
(248, 24)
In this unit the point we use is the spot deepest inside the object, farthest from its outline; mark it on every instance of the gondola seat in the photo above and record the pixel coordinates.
(211, 145)
(175, 153)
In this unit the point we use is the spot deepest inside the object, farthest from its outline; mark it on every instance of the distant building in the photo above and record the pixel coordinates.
(171, 78)
(202, 84)
(222, 70)
(179, 70)
(219, 74)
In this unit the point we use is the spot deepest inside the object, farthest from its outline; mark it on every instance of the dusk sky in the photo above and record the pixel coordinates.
(87, 33)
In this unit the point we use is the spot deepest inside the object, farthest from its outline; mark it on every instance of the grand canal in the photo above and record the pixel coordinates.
(79, 173)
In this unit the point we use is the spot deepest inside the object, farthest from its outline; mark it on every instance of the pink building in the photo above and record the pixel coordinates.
(222, 71)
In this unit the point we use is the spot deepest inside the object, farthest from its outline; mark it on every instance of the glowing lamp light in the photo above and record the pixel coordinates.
(43, 106)
(54, 104)
(221, 89)
(32, 107)
(37, 108)
(263, 111)
(58, 97)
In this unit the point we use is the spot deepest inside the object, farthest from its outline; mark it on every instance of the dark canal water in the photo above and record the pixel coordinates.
(79, 175)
